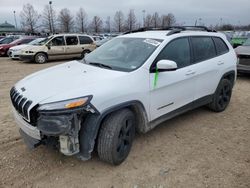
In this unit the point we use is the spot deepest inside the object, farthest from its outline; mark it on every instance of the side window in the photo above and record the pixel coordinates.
(178, 51)
(71, 40)
(220, 45)
(203, 48)
(57, 41)
(85, 40)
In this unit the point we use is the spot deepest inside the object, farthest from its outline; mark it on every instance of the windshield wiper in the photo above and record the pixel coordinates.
(101, 65)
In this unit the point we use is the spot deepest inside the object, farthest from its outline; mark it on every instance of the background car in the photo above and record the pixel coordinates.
(9, 39)
(5, 47)
(243, 53)
(101, 42)
(15, 51)
(60, 46)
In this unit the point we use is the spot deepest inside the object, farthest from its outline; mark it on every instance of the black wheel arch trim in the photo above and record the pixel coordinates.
(231, 76)
(91, 126)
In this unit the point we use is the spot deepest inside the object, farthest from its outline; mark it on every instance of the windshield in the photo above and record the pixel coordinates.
(6, 40)
(123, 54)
(44, 41)
(36, 41)
(247, 43)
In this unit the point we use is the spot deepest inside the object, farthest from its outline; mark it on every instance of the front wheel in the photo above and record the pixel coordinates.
(116, 136)
(222, 96)
(40, 58)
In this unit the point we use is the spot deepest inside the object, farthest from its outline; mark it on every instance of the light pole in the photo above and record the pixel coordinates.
(15, 18)
(143, 12)
(200, 21)
(51, 18)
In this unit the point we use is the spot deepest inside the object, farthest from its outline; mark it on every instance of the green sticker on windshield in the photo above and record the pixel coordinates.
(156, 78)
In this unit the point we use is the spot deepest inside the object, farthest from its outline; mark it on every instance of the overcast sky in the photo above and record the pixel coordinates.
(185, 11)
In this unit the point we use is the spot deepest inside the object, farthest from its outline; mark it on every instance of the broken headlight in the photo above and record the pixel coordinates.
(67, 104)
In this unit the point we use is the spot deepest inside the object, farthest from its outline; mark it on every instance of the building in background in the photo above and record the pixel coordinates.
(7, 28)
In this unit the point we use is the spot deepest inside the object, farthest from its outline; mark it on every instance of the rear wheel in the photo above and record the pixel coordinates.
(222, 96)
(40, 58)
(116, 136)
(84, 53)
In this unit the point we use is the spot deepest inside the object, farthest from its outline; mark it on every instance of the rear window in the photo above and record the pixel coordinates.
(221, 47)
(85, 40)
(203, 48)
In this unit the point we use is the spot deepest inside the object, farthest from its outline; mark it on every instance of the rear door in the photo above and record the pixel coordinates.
(172, 90)
(73, 48)
(206, 66)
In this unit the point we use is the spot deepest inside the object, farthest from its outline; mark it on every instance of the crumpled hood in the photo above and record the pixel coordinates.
(243, 50)
(65, 81)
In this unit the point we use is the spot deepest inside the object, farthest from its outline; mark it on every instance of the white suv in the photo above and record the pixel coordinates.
(131, 83)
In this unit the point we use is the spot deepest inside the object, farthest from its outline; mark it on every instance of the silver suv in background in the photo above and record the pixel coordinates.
(61, 46)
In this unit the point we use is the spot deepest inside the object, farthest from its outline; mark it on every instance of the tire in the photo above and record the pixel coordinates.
(84, 53)
(41, 58)
(222, 96)
(116, 136)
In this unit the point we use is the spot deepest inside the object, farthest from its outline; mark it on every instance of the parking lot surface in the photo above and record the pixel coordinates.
(197, 149)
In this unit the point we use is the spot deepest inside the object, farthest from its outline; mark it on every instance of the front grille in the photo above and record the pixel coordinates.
(20, 103)
(244, 60)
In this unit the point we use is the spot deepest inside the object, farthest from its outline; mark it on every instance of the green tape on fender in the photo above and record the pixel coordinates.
(156, 78)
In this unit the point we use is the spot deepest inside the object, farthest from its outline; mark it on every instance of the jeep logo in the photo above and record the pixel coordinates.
(23, 89)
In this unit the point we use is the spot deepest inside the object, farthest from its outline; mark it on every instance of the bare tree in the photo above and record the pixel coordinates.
(131, 20)
(119, 21)
(108, 25)
(171, 19)
(81, 20)
(148, 20)
(97, 24)
(66, 20)
(156, 20)
(29, 18)
(48, 19)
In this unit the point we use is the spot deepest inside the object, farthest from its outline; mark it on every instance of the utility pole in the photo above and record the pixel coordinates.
(143, 12)
(51, 18)
(15, 18)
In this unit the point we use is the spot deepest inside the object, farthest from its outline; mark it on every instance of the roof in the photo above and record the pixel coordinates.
(8, 28)
(6, 25)
(70, 34)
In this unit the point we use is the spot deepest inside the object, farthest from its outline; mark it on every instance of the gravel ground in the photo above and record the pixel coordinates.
(197, 149)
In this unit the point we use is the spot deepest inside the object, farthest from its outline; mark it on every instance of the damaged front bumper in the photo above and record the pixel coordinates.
(63, 127)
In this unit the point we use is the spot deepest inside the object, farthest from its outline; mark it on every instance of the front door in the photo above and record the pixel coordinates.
(57, 48)
(172, 90)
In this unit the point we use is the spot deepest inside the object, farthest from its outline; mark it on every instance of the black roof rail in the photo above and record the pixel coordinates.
(173, 29)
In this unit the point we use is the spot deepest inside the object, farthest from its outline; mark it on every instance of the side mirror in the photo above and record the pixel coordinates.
(48, 46)
(166, 65)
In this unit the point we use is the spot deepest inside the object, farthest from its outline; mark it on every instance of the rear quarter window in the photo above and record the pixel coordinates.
(220, 45)
(203, 48)
(85, 40)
